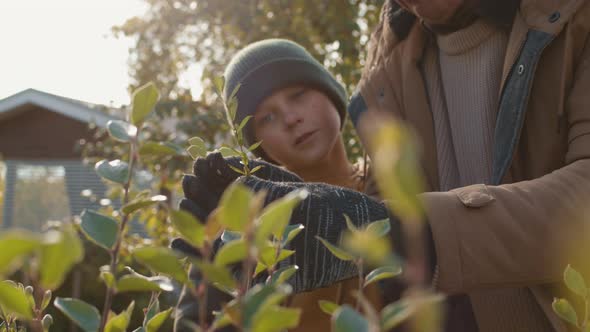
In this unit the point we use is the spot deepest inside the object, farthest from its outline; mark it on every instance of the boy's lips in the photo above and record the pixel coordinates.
(302, 138)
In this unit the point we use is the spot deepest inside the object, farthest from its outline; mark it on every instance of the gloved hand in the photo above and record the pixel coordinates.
(212, 175)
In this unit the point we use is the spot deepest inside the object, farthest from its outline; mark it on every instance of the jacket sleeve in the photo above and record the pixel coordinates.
(522, 233)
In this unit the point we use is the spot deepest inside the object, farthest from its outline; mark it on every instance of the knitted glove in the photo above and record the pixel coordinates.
(322, 214)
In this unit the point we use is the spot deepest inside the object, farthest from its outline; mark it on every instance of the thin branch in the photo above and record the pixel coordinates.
(114, 253)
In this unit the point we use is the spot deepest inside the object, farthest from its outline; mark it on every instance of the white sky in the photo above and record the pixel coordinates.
(65, 47)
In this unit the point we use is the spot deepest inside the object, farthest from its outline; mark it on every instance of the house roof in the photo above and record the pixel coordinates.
(75, 109)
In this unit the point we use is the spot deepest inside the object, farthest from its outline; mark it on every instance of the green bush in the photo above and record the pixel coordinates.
(136, 271)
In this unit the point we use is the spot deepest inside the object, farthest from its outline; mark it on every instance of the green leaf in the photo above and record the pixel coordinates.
(152, 311)
(256, 169)
(15, 245)
(46, 299)
(254, 146)
(120, 322)
(121, 130)
(365, 244)
(116, 170)
(349, 224)
(268, 255)
(328, 307)
(99, 228)
(142, 203)
(198, 147)
(244, 122)
(291, 231)
(83, 314)
(276, 319)
(191, 229)
(574, 281)
(161, 260)
(232, 108)
(259, 268)
(196, 152)
(276, 216)
(234, 207)
(261, 297)
(227, 152)
(396, 166)
(29, 294)
(158, 149)
(235, 91)
(155, 323)
(565, 310)
(219, 83)
(346, 319)
(216, 274)
(394, 314)
(117, 323)
(341, 254)
(144, 101)
(221, 320)
(283, 274)
(197, 141)
(59, 253)
(382, 273)
(231, 252)
(237, 170)
(13, 300)
(380, 227)
(139, 283)
(108, 278)
(46, 322)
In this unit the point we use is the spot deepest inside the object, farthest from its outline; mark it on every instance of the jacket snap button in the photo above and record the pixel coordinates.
(554, 17)
(520, 69)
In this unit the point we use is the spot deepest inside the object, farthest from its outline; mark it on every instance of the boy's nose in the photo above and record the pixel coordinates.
(292, 118)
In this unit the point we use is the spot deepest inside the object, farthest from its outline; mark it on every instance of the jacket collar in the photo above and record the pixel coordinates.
(537, 14)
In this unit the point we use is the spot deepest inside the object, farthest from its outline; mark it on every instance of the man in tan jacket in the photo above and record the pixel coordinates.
(496, 91)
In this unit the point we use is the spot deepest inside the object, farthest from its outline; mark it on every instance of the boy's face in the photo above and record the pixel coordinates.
(298, 126)
(432, 11)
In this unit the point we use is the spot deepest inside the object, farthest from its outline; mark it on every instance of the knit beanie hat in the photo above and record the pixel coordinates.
(266, 66)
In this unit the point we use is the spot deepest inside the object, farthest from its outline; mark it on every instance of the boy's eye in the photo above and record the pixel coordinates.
(269, 117)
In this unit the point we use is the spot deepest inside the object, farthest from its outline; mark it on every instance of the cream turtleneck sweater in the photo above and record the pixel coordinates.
(463, 73)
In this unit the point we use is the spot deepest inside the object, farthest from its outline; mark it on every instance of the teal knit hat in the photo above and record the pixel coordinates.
(266, 66)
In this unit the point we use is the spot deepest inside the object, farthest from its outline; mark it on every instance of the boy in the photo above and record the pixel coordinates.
(298, 110)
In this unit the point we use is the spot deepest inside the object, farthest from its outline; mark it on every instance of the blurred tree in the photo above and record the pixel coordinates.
(175, 34)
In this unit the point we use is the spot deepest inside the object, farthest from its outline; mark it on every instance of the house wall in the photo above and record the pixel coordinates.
(37, 136)
(37, 133)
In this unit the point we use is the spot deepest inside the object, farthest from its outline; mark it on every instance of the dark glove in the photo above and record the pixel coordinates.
(212, 175)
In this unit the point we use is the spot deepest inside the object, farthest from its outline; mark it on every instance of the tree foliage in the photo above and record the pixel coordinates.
(173, 35)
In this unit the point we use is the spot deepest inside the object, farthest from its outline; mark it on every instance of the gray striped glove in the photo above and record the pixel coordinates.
(322, 214)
